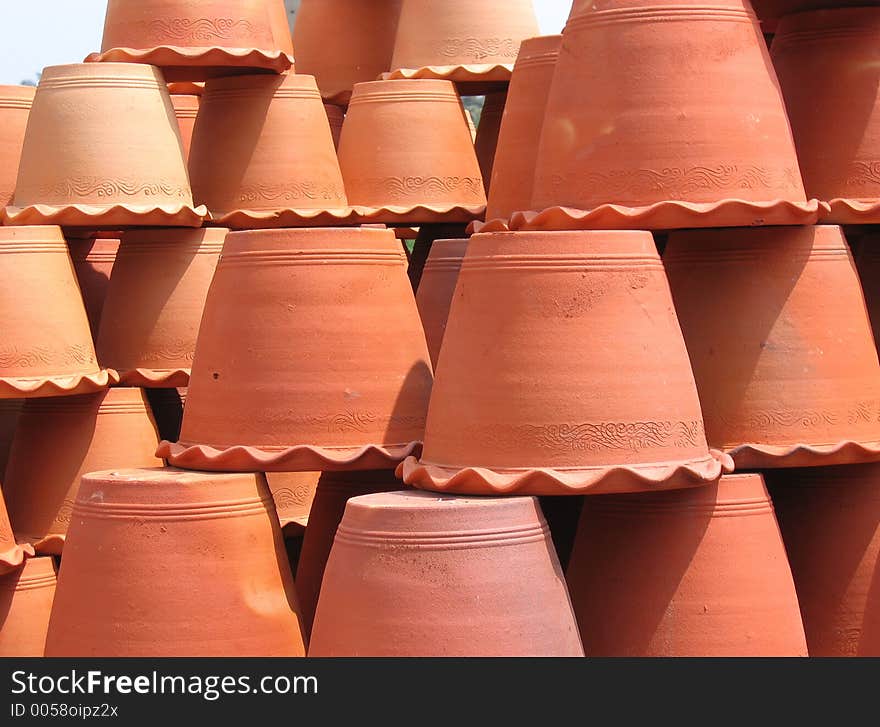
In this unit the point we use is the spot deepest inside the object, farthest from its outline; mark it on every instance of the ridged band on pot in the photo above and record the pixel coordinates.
(59, 440)
(186, 108)
(263, 154)
(431, 576)
(436, 289)
(154, 304)
(828, 63)
(563, 371)
(460, 40)
(79, 170)
(15, 105)
(25, 604)
(93, 260)
(699, 572)
(328, 368)
(780, 344)
(407, 156)
(161, 562)
(699, 139)
(197, 40)
(47, 348)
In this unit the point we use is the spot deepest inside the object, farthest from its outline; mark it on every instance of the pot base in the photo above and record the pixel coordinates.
(20, 387)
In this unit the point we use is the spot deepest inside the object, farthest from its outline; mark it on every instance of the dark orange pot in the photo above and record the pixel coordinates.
(93, 259)
(436, 289)
(486, 139)
(25, 604)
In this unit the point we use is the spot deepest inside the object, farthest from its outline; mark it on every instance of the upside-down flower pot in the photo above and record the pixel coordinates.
(164, 563)
(103, 150)
(59, 440)
(25, 604)
(12, 553)
(334, 490)
(336, 117)
(47, 347)
(461, 40)
(699, 572)
(537, 389)
(344, 42)
(828, 63)
(418, 574)
(407, 156)
(263, 154)
(185, 110)
(780, 344)
(436, 289)
(699, 138)
(830, 522)
(310, 356)
(198, 39)
(154, 304)
(15, 105)
(513, 169)
(93, 259)
(293, 493)
(486, 138)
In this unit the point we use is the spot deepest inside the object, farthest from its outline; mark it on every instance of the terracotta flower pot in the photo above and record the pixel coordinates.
(12, 553)
(336, 116)
(333, 491)
(770, 12)
(461, 40)
(358, 48)
(699, 572)
(828, 63)
(436, 289)
(25, 604)
(830, 521)
(47, 348)
(138, 178)
(154, 304)
(198, 39)
(263, 154)
(15, 105)
(329, 367)
(165, 563)
(406, 154)
(293, 493)
(59, 440)
(486, 139)
(541, 394)
(166, 406)
(93, 260)
(185, 109)
(780, 343)
(513, 170)
(699, 139)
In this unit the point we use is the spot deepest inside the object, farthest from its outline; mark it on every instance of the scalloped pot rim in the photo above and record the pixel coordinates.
(463, 73)
(94, 216)
(419, 214)
(286, 217)
(147, 378)
(754, 456)
(16, 387)
(171, 55)
(13, 556)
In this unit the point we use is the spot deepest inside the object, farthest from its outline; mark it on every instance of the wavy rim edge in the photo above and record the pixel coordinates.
(460, 72)
(846, 211)
(301, 458)
(175, 55)
(25, 387)
(287, 217)
(419, 214)
(155, 378)
(122, 215)
(14, 556)
(589, 480)
(772, 456)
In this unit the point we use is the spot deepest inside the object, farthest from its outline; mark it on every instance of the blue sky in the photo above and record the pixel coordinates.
(28, 42)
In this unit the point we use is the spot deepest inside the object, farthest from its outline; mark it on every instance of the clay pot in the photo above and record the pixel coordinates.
(699, 572)
(59, 440)
(431, 574)
(358, 48)
(460, 40)
(93, 260)
(138, 178)
(333, 491)
(293, 493)
(198, 39)
(9, 412)
(486, 139)
(780, 343)
(12, 553)
(830, 521)
(837, 131)
(263, 154)
(407, 156)
(771, 11)
(513, 170)
(697, 140)
(15, 105)
(185, 109)
(436, 289)
(165, 563)
(310, 356)
(166, 406)
(25, 603)
(543, 395)
(154, 304)
(336, 116)
(47, 348)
